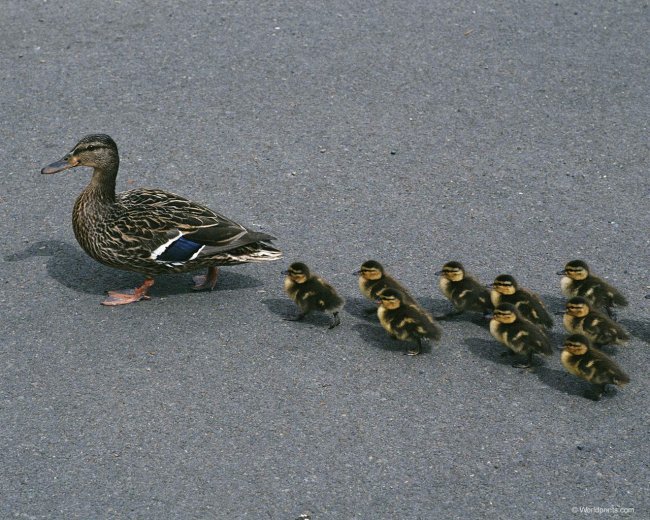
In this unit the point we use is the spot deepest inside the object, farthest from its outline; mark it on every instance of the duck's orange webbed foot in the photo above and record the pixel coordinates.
(129, 296)
(203, 282)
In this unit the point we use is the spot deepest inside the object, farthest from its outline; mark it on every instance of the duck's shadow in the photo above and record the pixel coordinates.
(69, 265)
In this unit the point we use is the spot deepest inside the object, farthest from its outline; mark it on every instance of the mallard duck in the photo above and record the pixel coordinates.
(506, 290)
(463, 291)
(578, 281)
(152, 231)
(590, 364)
(521, 336)
(311, 293)
(405, 321)
(373, 279)
(580, 318)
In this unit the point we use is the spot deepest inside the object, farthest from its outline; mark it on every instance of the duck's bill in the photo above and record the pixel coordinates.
(57, 166)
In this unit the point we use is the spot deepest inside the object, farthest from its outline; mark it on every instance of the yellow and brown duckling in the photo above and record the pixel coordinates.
(578, 281)
(521, 336)
(373, 280)
(506, 290)
(405, 321)
(581, 359)
(311, 293)
(581, 318)
(463, 291)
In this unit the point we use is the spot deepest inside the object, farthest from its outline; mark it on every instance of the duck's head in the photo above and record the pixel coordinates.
(452, 271)
(577, 306)
(371, 270)
(504, 284)
(391, 299)
(576, 270)
(95, 151)
(298, 272)
(577, 344)
(505, 313)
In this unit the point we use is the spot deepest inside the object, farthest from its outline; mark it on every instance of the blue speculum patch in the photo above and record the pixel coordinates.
(180, 250)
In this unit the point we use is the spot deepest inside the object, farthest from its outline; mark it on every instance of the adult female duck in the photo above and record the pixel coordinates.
(152, 231)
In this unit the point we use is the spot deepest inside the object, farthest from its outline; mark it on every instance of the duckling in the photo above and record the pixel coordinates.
(590, 364)
(311, 292)
(577, 281)
(521, 336)
(506, 290)
(405, 321)
(463, 291)
(580, 318)
(373, 280)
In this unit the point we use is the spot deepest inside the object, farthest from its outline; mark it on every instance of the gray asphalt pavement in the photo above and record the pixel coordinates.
(512, 136)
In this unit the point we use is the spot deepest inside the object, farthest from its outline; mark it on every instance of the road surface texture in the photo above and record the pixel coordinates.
(510, 136)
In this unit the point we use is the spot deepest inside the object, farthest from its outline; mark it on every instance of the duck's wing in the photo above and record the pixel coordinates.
(175, 229)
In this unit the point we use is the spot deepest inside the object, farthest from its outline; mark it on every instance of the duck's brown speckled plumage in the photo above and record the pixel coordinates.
(133, 230)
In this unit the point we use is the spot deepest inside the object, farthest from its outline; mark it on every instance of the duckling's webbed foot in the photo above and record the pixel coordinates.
(335, 320)
(206, 282)
(595, 393)
(415, 349)
(130, 295)
(527, 364)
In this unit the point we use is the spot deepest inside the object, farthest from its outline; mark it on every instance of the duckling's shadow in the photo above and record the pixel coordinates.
(285, 308)
(71, 267)
(638, 329)
(563, 382)
(376, 337)
(553, 304)
(489, 350)
(361, 308)
(556, 338)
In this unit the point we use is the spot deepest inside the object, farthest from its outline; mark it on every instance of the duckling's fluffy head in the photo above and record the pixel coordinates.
(298, 272)
(453, 271)
(505, 313)
(577, 306)
(577, 344)
(576, 270)
(391, 298)
(505, 284)
(371, 270)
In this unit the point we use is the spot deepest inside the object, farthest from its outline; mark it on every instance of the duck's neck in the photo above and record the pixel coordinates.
(102, 185)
